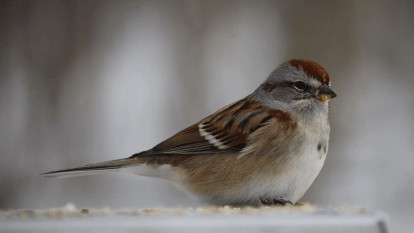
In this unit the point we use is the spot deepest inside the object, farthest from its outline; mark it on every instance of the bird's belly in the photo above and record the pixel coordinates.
(287, 177)
(291, 182)
(306, 169)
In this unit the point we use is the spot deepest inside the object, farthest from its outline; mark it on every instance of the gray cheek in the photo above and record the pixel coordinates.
(284, 94)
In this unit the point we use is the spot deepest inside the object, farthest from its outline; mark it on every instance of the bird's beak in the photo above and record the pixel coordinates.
(324, 93)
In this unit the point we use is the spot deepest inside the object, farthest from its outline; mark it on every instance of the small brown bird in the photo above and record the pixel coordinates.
(264, 149)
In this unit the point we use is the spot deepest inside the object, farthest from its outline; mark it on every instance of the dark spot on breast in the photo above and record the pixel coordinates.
(319, 146)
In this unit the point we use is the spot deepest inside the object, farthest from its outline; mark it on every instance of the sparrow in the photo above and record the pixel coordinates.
(264, 149)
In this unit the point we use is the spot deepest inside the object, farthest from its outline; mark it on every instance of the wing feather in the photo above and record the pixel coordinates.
(226, 130)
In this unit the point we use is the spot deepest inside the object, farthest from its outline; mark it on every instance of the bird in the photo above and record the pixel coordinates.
(265, 149)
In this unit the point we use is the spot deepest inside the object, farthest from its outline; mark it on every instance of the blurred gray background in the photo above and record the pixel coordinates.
(88, 81)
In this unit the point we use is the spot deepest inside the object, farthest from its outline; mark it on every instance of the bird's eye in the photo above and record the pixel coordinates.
(300, 85)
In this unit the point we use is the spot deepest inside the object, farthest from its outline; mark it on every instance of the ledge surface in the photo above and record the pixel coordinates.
(305, 218)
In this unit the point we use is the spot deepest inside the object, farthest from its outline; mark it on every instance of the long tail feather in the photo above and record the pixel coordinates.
(90, 169)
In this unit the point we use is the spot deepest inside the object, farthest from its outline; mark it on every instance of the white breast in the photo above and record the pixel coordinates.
(304, 166)
(307, 167)
(298, 175)
(291, 184)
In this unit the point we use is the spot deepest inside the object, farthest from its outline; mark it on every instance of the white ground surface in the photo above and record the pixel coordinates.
(305, 218)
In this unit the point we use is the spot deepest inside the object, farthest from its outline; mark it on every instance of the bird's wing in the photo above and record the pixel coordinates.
(227, 130)
(234, 128)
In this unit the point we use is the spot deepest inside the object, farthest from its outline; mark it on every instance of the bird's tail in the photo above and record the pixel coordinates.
(90, 169)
